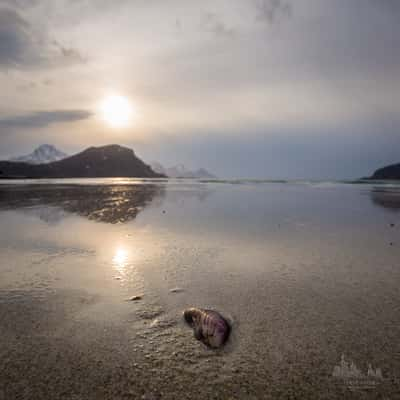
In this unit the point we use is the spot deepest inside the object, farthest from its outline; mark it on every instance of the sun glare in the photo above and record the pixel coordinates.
(116, 111)
(120, 257)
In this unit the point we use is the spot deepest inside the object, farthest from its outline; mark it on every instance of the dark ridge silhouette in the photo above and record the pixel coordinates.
(391, 172)
(102, 203)
(94, 162)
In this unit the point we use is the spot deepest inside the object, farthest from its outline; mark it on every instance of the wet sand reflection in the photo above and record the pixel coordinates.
(110, 204)
(386, 197)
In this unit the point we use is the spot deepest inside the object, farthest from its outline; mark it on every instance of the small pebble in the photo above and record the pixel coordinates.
(135, 298)
(392, 225)
(176, 290)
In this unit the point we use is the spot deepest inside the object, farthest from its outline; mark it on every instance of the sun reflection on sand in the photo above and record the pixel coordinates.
(125, 262)
(120, 259)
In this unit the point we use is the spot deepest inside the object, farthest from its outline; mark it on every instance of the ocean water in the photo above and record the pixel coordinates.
(307, 273)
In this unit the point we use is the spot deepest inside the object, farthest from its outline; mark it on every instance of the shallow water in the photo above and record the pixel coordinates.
(307, 272)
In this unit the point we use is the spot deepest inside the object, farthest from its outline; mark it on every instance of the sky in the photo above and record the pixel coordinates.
(301, 89)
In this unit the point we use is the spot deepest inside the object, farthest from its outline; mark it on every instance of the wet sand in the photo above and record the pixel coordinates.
(305, 273)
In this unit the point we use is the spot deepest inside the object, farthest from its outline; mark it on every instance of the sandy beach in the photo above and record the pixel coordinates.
(307, 274)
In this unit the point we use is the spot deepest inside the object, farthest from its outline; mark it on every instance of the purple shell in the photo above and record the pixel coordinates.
(208, 325)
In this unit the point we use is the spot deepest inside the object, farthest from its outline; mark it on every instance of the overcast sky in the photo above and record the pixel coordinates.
(256, 88)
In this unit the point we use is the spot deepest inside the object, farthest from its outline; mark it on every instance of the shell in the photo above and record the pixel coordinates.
(209, 326)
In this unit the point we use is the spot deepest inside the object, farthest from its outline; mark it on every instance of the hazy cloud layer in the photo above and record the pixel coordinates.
(211, 22)
(43, 118)
(273, 10)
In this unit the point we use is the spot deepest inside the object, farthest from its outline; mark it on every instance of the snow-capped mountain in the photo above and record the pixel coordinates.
(95, 162)
(180, 171)
(44, 154)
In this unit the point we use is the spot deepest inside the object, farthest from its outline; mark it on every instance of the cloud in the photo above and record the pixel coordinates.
(391, 5)
(271, 10)
(16, 40)
(20, 3)
(213, 24)
(23, 45)
(69, 53)
(26, 86)
(41, 119)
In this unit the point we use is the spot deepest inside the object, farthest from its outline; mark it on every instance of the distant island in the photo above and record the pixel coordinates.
(94, 162)
(391, 172)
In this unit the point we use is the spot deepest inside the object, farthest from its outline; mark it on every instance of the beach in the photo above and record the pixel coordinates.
(307, 274)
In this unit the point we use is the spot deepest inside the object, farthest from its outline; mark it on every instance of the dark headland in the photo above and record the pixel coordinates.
(391, 172)
(94, 162)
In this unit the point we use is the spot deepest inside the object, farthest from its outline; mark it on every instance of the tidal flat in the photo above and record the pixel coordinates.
(307, 274)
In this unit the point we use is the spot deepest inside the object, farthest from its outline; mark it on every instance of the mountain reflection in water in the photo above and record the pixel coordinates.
(104, 203)
(386, 197)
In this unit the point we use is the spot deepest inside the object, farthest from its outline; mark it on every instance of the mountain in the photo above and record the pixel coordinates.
(94, 162)
(157, 167)
(204, 174)
(389, 172)
(44, 154)
(180, 171)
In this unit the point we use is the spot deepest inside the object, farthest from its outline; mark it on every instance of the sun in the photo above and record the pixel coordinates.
(116, 110)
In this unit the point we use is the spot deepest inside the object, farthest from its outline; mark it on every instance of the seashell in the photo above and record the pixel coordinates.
(209, 326)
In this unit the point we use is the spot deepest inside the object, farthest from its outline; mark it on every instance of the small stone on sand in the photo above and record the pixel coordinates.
(136, 298)
(176, 290)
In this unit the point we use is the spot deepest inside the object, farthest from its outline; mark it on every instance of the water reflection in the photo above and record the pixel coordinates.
(110, 204)
(120, 259)
(386, 197)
